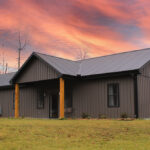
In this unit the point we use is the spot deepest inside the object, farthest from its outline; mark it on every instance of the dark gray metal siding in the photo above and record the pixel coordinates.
(28, 104)
(90, 97)
(29, 95)
(37, 70)
(144, 92)
(28, 99)
(6, 102)
(68, 98)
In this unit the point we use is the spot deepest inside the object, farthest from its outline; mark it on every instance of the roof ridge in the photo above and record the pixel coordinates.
(80, 61)
(115, 54)
(55, 56)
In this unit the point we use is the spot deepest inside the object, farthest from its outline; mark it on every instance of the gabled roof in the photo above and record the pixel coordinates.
(115, 63)
(5, 78)
(126, 61)
(63, 66)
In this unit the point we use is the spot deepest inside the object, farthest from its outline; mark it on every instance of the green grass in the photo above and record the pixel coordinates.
(43, 134)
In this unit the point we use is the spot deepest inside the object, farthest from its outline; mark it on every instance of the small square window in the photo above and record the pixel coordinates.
(113, 95)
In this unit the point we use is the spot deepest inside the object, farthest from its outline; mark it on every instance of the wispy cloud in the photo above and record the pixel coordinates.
(61, 27)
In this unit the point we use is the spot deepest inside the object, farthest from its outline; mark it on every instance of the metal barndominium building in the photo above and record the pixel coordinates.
(51, 87)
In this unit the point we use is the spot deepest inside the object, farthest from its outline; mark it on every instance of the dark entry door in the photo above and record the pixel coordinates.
(53, 106)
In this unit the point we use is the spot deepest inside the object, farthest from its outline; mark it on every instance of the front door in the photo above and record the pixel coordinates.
(53, 106)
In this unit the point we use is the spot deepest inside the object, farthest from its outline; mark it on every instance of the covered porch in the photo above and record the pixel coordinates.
(44, 99)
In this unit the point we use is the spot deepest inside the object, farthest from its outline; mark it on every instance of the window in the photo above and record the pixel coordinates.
(13, 99)
(113, 95)
(40, 99)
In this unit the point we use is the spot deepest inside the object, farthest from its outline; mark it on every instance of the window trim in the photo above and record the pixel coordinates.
(118, 95)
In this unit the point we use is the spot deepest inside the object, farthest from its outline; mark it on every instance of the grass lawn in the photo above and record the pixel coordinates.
(44, 134)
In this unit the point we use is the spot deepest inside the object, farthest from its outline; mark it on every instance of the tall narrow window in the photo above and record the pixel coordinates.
(113, 95)
(40, 99)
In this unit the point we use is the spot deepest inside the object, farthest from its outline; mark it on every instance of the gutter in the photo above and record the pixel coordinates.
(112, 74)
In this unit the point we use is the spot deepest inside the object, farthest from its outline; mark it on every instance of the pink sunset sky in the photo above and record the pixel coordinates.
(63, 27)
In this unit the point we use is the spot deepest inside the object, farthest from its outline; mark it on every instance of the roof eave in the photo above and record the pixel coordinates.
(6, 86)
(112, 74)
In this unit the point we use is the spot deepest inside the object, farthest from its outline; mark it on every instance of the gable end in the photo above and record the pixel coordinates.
(36, 69)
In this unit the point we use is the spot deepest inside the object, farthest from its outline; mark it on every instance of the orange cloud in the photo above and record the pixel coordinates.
(63, 27)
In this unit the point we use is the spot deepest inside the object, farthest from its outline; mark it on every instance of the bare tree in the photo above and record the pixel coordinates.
(82, 54)
(21, 46)
(6, 68)
(3, 64)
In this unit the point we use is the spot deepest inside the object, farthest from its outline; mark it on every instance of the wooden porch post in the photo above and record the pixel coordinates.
(62, 95)
(16, 100)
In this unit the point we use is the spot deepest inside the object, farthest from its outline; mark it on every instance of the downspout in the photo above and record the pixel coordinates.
(136, 108)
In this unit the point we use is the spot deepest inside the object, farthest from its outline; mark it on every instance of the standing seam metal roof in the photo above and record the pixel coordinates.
(5, 78)
(126, 61)
(64, 66)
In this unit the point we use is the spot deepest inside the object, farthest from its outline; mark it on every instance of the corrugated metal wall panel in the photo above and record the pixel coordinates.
(6, 102)
(144, 92)
(28, 99)
(28, 104)
(90, 97)
(36, 71)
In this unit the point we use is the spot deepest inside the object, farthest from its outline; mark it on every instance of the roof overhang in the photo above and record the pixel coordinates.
(112, 74)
